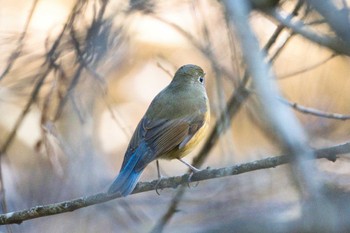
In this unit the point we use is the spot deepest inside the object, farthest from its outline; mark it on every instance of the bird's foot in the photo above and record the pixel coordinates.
(189, 180)
(157, 184)
(160, 177)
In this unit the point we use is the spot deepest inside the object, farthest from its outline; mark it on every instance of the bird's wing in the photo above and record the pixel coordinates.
(162, 136)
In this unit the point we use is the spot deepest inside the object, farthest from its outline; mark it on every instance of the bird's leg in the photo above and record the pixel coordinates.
(159, 176)
(158, 170)
(194, 169)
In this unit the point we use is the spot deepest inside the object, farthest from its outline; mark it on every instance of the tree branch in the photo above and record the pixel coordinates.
(307, 69)
(300, 28)
(337, 19)
(315, 112)
(18, 217)
(20, 43)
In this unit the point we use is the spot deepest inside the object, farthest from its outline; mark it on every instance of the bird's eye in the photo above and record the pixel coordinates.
(201, 79)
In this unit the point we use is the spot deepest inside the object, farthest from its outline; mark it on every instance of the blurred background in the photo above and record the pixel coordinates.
(77, 76)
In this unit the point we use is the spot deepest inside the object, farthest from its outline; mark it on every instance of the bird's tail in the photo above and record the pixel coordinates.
(128, 176)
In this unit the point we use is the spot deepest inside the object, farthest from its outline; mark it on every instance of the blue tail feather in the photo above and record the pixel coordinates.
(128, 177)
(124, 184)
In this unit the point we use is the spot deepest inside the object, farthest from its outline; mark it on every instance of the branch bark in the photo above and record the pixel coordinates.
(315, 112)
(18, 217)
(338, 19)
(298, 27)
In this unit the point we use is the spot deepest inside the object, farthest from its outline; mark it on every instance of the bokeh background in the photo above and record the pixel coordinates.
(77, 76)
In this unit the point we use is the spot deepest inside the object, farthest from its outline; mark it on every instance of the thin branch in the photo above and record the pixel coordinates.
(74, 82)
(308, 110)
(280, 27)
(337, 19)
(307, 69)
(202, 48)
(172, 208)
(281, 47)
(330, 153)
(160, 66)
(315, 112)
(300, 28)
(17, 52)
(84, 55)
(26, 109)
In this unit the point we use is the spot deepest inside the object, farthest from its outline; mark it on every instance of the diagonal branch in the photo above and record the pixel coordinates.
(330, 153)
(337, 19)
(300, 28)
(17, 52)
(307, 69)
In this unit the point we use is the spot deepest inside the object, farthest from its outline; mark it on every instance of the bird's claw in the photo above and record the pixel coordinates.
(189, 179)
(157, 184)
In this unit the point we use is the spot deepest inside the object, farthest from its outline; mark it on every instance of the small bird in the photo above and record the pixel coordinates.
(172, 126)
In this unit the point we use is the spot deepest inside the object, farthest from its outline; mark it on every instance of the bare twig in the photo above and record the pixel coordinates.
(26, 109)
(315, 112)
(300, 28)
(330, 153)
(85, 55)
(202, 48)
(280, 27)
(17, 52)
(71, 87)
(307, 69)
(172, 208)
(160, 66)
(337, 19)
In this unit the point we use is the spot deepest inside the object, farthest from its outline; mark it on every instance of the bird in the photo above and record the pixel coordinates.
(174, 123)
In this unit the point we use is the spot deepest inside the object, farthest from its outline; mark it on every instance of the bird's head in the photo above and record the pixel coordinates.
(189, 74)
